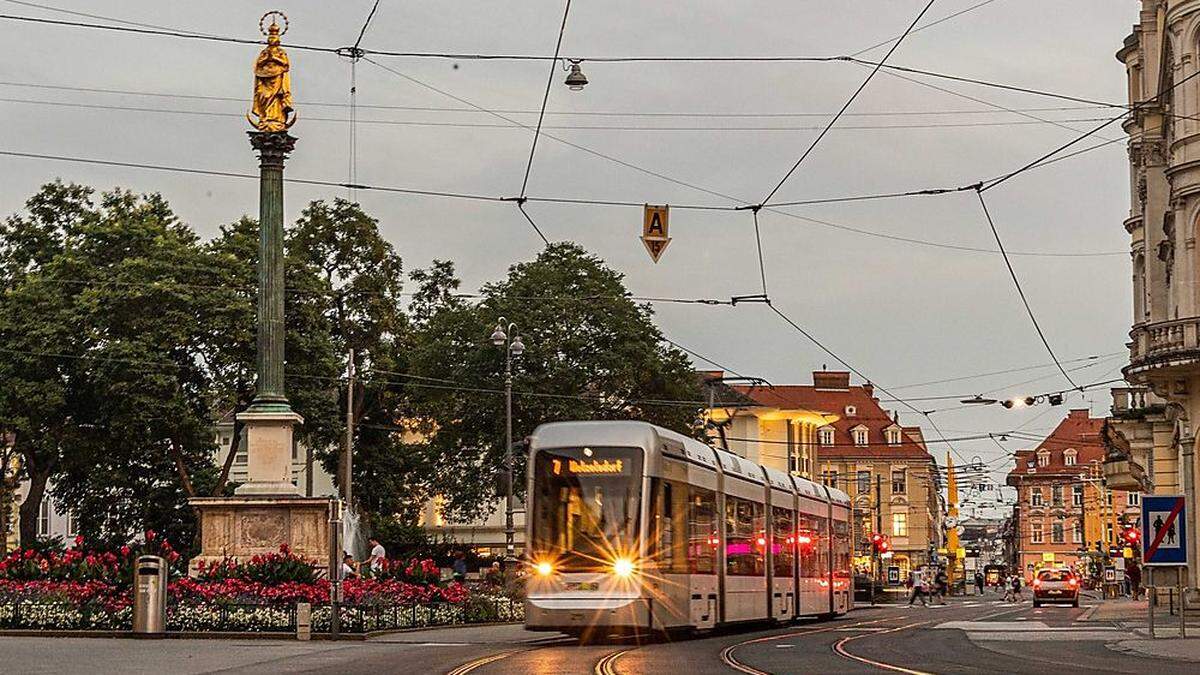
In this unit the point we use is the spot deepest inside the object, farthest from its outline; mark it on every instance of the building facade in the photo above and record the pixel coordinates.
(1064, 511)
(1161, 56)
(837, 433)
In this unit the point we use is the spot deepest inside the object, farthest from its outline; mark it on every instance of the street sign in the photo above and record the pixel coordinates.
(893, 575)
(1048, 556)
(655, 228)
(1164, 530)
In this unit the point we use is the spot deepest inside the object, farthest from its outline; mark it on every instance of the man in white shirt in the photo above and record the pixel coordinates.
(378, 555)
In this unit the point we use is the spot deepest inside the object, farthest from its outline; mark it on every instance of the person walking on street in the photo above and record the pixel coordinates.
(979, 583)
(1016, 587)
(1008, 588)
(1134, 575)
(942, 583)
(915, 583)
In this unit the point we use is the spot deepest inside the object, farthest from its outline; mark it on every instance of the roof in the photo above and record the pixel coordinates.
(847, 407)
(1078, 431)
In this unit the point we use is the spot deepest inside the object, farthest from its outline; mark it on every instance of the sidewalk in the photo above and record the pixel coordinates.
(1131, 615)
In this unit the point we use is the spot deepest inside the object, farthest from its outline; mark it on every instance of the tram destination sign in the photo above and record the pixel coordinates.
(594, 466)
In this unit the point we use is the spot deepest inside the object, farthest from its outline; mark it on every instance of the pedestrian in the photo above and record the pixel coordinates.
(460, 566)
(1008, 588)
(942, 583)
(1134, 575)
(1016, 587)
(979, 583)
(378, 558)
(349, 567)
(915, 583)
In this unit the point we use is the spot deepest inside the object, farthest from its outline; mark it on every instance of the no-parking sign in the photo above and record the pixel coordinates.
(1164, 530)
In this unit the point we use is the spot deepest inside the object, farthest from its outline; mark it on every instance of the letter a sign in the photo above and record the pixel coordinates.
(655, 223)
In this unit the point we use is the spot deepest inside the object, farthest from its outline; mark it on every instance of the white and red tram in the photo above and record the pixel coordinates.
(631, 526)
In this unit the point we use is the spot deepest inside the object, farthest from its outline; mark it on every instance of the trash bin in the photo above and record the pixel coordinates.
(150, 595)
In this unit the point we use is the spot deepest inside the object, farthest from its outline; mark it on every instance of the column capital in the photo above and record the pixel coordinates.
(273, 147)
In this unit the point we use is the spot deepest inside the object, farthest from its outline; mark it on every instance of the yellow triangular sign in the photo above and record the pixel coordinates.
(655, 247)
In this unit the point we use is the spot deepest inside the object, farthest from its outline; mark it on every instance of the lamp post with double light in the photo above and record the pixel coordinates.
(506, 336)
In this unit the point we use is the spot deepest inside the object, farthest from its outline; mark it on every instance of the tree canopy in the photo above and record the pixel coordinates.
(124, 338)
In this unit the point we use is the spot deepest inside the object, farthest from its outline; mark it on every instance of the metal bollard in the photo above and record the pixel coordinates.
(303, 621)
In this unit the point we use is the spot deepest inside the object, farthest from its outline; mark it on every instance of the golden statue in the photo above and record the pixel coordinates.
(272, 82)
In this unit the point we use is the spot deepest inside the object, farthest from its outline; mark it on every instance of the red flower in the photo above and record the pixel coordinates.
(125, 551)
(78, 541)
(150, 535)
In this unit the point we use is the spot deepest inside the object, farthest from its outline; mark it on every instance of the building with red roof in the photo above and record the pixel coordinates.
(1063, 509)
(837, 433)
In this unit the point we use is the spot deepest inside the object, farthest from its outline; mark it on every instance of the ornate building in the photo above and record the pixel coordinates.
(1161, 57)
(1064, 509)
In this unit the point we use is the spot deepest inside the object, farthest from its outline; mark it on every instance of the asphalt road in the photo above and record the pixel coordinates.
(965, 636)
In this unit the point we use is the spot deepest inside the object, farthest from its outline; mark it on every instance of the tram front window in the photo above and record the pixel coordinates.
(586, 503)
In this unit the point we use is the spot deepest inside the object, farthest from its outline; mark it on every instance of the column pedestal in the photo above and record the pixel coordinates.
(242, 527)
(269, 453)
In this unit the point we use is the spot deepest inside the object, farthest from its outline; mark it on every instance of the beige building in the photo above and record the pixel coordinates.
(1161, 57)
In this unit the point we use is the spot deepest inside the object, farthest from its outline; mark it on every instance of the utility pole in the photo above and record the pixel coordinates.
(878, 524)
(348, 451)
(952, 510)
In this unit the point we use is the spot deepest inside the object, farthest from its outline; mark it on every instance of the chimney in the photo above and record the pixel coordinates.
(831, 379)
(870, 389)
(1080, 414)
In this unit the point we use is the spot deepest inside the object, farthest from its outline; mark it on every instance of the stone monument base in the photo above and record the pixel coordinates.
(245, 526)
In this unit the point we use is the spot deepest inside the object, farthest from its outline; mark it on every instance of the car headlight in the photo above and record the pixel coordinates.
(544, 569)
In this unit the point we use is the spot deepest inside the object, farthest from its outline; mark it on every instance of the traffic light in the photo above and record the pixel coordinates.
(880, 543)
(1131, 536)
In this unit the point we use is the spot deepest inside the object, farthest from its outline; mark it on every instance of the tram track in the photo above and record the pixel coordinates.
(839, 648)
(607, 665)
(728, 658)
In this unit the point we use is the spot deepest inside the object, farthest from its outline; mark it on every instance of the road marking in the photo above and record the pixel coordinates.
(608, 664)
(840, 649)
(480, 662)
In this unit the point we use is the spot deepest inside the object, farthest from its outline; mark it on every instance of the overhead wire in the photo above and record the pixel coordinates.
(922, 27)
(812, 146)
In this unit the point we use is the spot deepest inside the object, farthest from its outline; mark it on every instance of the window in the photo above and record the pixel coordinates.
(43, 522)
(1108, 533)
(1043, 458)
(899, 482)
(684, 530)
(1108, 497)
(893, 436)
(1069, 457)
(899, 524)
(745, 537)
(72, 525)
(1036, 533)
(812, 548)
(825, 435)
(1056, 532)
(830, 478)
(1056, 496)
(851, 411)
(1076, 495)
(702, 531)
(860, 436)
(1035, 496)
(864, 481)
(1077, 533)
(783, 532)
(1133, 498)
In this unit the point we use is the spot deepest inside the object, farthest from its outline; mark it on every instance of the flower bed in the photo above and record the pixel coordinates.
(90, 590)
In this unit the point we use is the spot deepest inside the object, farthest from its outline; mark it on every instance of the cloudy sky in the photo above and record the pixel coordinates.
(903, 313)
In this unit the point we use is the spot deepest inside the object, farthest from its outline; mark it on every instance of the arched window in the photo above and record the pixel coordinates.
(43, 523)
(825, 435)
(1141, 294)
(1043, 458)
(1069, 457)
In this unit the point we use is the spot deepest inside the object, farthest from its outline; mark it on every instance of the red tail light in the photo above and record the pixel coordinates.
(1073, 581)
(1037, 583)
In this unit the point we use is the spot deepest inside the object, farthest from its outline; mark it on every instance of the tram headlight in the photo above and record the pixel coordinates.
(544, 569)
(623, 567)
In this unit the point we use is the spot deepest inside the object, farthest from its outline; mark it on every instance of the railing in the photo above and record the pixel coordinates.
(1163, 340)
(260, 618)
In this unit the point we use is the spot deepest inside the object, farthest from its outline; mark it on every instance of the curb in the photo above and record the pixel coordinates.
(226, 635)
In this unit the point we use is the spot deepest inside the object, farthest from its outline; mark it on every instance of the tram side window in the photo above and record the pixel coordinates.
(668, 546)
(745, 542)
(784, 535)
(841, 548)
(703, 531)
(822, 544)
(807, 545)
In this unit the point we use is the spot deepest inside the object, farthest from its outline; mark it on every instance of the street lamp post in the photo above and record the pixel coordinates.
(506, 336)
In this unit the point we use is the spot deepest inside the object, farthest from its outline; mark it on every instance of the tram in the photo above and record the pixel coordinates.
(637, 528)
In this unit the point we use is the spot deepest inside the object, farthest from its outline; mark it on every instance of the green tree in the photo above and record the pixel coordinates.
(590, 353)
(361, 279)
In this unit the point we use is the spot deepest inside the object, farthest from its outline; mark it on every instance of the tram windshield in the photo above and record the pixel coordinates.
(586, 504)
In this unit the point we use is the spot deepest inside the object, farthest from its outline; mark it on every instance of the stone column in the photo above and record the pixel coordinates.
(270, 418)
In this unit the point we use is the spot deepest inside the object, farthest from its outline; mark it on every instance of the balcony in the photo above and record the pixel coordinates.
(1163, 347)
